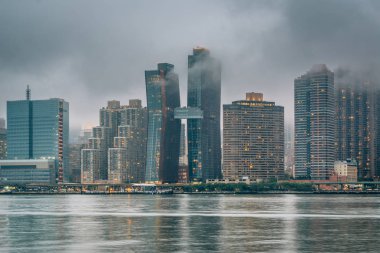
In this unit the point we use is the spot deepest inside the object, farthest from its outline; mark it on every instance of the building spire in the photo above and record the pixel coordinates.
(28, 92)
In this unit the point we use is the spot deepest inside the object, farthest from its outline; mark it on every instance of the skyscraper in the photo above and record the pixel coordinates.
(133, 127)
(121, 154)
(102, 137)
(253, 139)
(204, 93)
(162, 89)
(314, 123)
(110, 117)
(39, 129)
(352, 128)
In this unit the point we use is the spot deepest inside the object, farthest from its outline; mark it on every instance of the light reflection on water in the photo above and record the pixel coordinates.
(189, 223)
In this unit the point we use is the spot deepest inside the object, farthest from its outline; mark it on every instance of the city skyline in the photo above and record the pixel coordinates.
(189, 126)
(269, 41)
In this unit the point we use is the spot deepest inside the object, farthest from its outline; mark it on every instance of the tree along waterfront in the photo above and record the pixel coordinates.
(245, 188)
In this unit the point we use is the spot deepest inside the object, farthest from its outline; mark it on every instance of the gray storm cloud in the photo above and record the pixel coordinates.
(88, 52)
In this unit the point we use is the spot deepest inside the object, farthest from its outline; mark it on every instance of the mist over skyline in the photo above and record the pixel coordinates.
(89, 52)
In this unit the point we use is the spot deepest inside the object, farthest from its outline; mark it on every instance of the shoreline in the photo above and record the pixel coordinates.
(198, 193)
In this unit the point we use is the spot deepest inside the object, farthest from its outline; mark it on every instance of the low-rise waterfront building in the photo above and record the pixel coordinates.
(345, 171)
(27, 171)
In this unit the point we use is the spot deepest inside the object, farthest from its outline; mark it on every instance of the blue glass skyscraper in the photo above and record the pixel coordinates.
(163, 144)
(204, 93)
(39, 129)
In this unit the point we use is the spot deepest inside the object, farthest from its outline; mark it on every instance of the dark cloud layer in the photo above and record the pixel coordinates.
(91, 51)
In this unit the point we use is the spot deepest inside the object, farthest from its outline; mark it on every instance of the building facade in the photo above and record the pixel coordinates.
(133, 127)
(314, 124)
(204, 138)
(102, 140)
(253, 139)
(346, 171)
(90, 165)
(163, 143)
(121, 153)
(183, 171)
(117, 165)
(75, 162)
(3, 141)
(357, 132)
(110, 117)
(39, 129)
(31, 171)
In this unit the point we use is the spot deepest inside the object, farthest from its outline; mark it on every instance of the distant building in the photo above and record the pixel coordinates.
(104, 142)
(253, 139)
(30, 171)
(39, 129)
(357, 128)
(203, 134)
(163, 144)
(90, 165)
(110, 117)
(117, 165)
(346, 171)
(126, 160)
(117, 161)
(314, 124)
(94, 158)
(75, 162)
(2, 123)
(133, 127)
(85, 134)
(183, 171)
(121, 154)
(3, 141)
(289, 150)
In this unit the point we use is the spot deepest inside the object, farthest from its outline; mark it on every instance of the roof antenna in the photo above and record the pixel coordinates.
(28, 92)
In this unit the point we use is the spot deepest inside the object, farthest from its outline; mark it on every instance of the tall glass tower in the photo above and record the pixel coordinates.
(163, 144)
(204, 92)
(314, 123)
(39, 129)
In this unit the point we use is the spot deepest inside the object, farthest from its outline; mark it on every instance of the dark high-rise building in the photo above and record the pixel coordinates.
(204, 93)
(354, 125)
(289, 150)
(39, 129)
(253, 139)
(110, 117)
(3, 140)
(75, 162)
(163, 144)
(183, 172)
(314, 123)
(104, 134)
(375, 159)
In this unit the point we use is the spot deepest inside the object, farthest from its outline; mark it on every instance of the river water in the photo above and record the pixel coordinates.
(190, 223)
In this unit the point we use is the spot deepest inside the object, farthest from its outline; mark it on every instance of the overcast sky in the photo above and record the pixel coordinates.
(88, 52)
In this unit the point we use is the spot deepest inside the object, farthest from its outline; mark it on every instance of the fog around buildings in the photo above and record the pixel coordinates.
(88, 52)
